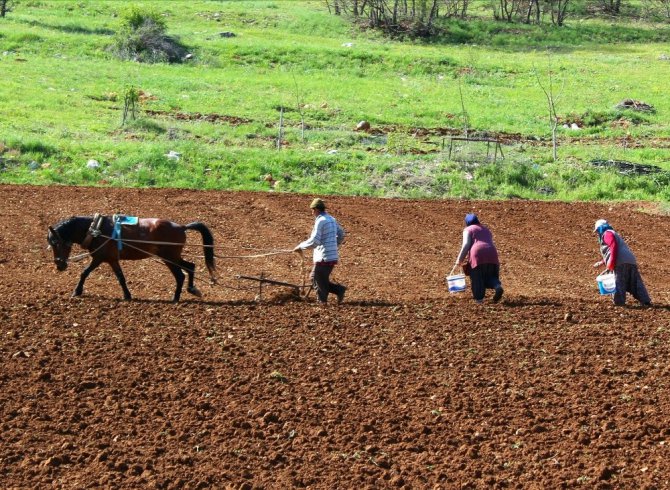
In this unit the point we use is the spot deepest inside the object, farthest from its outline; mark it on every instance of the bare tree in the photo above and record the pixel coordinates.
(559, 11)
(456, 8)
(507, 9)
(335, 5)
(612, 7)
(339, 7)
(466, 119)
(280, 136)
(414, 16)
(533, 11)
(551, 104)
(300, 105)
(6, 6)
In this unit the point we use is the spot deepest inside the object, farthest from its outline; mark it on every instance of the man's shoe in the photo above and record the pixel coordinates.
(498, 294)
(340, 295)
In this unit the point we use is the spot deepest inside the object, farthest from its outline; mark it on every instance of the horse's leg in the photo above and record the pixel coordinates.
(78, 291)
(179, 277)
(189, 267)
(116, 267)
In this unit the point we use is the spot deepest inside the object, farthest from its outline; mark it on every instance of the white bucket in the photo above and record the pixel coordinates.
(606, 283)
(456, 283)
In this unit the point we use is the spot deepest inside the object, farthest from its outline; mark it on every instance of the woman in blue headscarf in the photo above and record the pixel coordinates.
(482, 263)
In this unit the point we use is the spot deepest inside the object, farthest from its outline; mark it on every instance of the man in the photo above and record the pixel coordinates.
(326, 238)
(618, 258)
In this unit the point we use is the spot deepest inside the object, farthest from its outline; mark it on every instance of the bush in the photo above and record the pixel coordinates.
(143, 38)
(134, 18)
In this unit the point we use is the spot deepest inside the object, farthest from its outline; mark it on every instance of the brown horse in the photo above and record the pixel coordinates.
(150, 237)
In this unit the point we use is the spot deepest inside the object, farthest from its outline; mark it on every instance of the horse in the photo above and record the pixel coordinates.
(107, 241)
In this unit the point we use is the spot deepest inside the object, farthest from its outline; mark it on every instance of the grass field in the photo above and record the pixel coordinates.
(62, 93)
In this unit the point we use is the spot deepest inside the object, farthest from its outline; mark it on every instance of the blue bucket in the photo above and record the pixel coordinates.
(456, 283)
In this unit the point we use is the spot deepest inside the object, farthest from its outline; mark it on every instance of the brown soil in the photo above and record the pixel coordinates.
(403, 385)
(197, 116)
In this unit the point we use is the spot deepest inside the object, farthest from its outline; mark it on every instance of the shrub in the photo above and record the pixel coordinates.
(134, 18)
(143, 38)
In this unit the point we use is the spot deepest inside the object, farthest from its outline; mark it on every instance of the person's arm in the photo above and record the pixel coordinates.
(465, 248)
(340, 235)
(610, 240)
(313, 240)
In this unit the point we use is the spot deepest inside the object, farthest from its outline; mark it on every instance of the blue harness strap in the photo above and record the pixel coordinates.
(116, 233)
(120, 219)
(128, 220)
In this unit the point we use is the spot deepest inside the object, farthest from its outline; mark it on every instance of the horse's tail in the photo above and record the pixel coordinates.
(208, 246)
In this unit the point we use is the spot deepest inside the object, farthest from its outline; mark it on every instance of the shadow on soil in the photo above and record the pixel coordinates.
(521, 302)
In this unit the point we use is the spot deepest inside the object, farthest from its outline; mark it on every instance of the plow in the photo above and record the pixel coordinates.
(262, 280)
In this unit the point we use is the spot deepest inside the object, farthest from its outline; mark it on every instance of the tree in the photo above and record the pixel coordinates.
(300, 105)
(612, 7)
(533, 10)
(456, 8)
(559, 11)
(507, 9)
(6, 6)
(464, 112)
(416, 17)
(551, 104)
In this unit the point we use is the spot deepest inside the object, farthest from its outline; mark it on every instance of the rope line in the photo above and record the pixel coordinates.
(127, 241)
(79, 257)
(158, 258)
(279, 252)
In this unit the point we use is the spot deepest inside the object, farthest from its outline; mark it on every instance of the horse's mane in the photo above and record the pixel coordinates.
(67, 226)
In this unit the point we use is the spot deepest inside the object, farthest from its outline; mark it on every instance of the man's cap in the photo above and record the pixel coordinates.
(318, 204)
(599, 223)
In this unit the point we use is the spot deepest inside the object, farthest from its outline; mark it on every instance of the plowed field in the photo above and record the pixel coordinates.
(402, 386)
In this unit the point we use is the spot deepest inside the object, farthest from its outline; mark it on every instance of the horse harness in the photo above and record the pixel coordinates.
(93, 230)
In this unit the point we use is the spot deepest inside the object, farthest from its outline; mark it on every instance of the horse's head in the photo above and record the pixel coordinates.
(60, 247)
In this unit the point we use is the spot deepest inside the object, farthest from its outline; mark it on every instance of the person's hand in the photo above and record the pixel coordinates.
(598, 264)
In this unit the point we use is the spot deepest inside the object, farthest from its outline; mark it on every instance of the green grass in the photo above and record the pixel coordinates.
(62, 97)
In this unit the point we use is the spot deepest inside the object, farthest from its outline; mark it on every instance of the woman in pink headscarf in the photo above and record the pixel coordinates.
(619, 258)
(482, 259)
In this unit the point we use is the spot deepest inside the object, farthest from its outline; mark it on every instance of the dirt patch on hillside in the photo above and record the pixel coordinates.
(197, 116)
(403, 386)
